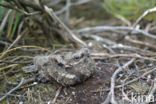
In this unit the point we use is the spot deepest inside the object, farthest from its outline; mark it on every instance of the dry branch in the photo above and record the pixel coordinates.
(116, 29)
(12, 90)
(113, 78)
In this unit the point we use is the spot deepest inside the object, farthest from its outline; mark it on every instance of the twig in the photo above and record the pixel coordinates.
(67, 14)
(57, 94)
(125, 96)
(140, 42)
(12, 90)
(107, 100)
(74, 37)
(16, 48)
(64, 9)
(131, 81)
(102, 55)
(10, 6)
(151, 93)
(4, 43)
(123, 19)
(67, 100)
(17, 39)
(144, 14)
(116, 29)
(113, 78)
(5, 20)
(8, 66)
(132, 48)
(103, 40)
(134, 80)
(54, 2)
(79, 2)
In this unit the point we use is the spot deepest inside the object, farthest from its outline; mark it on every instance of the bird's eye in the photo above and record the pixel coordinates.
(60, 64)
(76, 57)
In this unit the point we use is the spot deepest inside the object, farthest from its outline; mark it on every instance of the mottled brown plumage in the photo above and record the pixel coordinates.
(67, 68)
